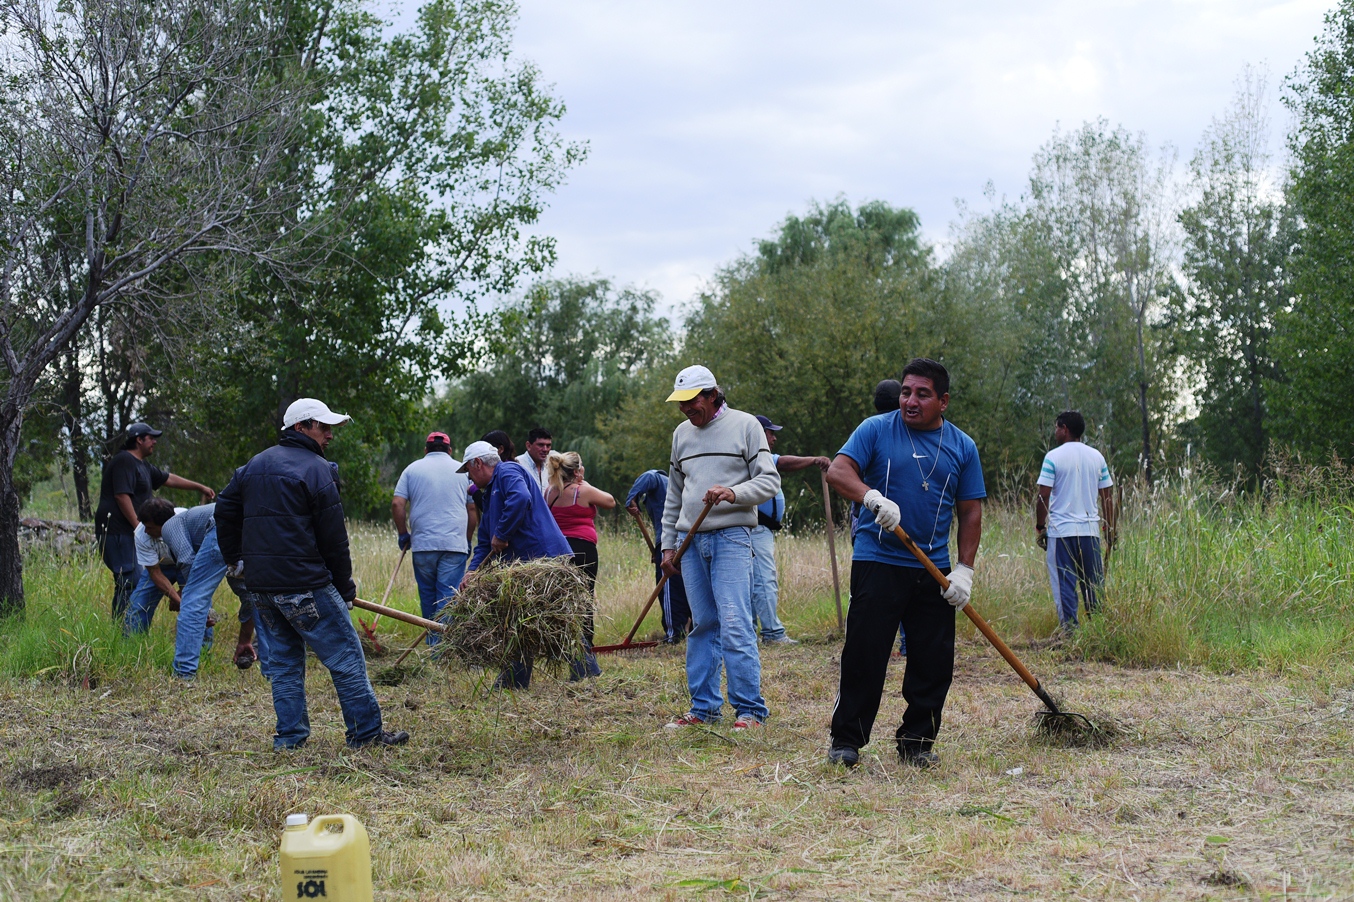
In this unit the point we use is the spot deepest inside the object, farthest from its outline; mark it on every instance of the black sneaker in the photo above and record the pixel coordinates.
(843, 755)
(918, 758)
(386, 737)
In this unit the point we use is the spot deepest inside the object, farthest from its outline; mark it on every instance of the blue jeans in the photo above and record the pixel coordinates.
(717, 570)
(437, 573)
(145, 600)
(765, 588)
(319, 619)
(209, 568)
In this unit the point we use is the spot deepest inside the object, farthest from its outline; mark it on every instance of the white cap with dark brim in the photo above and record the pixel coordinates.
(303, 409)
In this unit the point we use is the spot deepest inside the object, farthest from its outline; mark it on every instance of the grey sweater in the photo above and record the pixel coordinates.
(730, 451)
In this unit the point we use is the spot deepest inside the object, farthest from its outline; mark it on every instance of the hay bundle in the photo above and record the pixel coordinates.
(523, 611)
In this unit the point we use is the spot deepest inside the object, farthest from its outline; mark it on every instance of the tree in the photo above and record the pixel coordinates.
(804, 329)
(433, 156)
(140, 142)
(570, 352)
(1314, 334)
(1103, 203)
(1234, 265)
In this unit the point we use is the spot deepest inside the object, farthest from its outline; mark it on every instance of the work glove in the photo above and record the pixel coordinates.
(1042, 540)
(886, 513)
(236, 570)
(961, 586)
(405, 541)
(349, 603)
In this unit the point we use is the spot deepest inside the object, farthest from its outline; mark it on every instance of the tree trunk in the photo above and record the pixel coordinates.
(1142, 399)
(73, 415)
(11, 560)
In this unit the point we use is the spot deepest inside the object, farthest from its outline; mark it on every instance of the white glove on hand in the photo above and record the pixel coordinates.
(886, 513)
(961, 586)
(236, 570)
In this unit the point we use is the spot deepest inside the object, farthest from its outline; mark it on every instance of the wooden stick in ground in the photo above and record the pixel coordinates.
(390, 585)
(643, 529)
(676, 559)
(410, 650)
(832, 547)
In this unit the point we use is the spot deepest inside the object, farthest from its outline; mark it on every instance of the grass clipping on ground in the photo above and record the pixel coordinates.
(523, 611)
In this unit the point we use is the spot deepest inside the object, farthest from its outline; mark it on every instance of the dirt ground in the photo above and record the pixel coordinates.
(1221, 787)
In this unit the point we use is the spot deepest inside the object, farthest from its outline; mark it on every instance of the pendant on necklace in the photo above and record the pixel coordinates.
(925, 486)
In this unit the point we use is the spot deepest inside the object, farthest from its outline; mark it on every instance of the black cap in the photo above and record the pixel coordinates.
(767, 424)
(136, 430)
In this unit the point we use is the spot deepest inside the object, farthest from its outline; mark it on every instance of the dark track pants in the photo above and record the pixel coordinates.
(1076, 573)
(882, 597)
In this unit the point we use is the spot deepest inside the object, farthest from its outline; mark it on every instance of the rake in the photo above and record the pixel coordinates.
(1077, 728)
(629, 644)
(370, 629)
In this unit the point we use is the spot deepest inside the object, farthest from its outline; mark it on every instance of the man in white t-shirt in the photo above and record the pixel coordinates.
(435, 518)
(1068, 519)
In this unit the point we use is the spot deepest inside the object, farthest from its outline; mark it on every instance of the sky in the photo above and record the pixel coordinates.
(709, 122)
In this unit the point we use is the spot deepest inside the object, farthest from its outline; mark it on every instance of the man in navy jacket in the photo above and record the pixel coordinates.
(280, 525)
(517, 525)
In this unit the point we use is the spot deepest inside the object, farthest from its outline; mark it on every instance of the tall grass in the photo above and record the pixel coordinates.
(1204, 576)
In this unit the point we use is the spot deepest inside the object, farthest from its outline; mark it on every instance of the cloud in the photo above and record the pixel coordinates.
(709, 122)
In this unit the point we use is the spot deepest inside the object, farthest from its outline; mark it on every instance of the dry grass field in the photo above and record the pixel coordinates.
(1222, 786)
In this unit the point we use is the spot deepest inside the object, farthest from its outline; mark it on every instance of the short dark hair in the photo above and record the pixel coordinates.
(1075, 422)
(717, 394)
(886, 395)
(436, 446)
(131, 441)
(156, 510)
(499, 439)
(303, 424)
(537, 434)
(929, 369)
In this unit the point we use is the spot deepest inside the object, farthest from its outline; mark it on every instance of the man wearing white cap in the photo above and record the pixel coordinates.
(280, 521)
(517, 526)
(719, 456)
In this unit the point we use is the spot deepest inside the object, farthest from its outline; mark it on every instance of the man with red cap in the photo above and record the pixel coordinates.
(435, 519)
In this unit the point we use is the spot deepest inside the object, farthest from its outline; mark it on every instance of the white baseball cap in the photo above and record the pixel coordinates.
(691, 382)
(303, 409)
(474, 451)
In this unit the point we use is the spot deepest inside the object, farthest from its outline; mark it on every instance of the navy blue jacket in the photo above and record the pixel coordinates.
(282, 516)
(516, 512)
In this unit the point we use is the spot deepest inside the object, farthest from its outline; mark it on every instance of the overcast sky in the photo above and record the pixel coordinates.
(708, 122)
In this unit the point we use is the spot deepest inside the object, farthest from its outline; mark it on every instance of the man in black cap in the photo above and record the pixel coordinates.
(128, 483)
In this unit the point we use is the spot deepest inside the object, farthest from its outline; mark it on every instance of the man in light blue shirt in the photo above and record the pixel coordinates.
(435, 518)
(770, 514)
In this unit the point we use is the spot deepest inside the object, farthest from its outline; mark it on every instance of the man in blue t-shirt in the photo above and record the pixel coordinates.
(908, 468)
(651, 488)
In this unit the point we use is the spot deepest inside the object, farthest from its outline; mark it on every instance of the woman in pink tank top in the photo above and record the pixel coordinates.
(574, 504)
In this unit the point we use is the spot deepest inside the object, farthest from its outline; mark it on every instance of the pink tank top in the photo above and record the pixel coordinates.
(576, 521)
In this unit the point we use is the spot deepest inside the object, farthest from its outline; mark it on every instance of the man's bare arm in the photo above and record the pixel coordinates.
(162, 583)
(128, 511)
(399, 513)
(178, 482)
(970, 515)
(844, 477)
(789, 464)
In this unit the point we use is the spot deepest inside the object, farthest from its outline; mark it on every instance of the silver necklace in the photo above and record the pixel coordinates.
(916, 458)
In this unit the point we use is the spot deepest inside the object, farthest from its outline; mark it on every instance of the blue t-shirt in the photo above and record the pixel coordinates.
(884, 448)
(775, 507)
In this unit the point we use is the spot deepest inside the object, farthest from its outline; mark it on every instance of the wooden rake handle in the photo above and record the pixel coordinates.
(676, 559)
(973, 615)
(643, 529)
(397, 614)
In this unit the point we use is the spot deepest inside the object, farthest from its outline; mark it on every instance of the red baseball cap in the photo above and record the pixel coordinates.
(438, 437)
